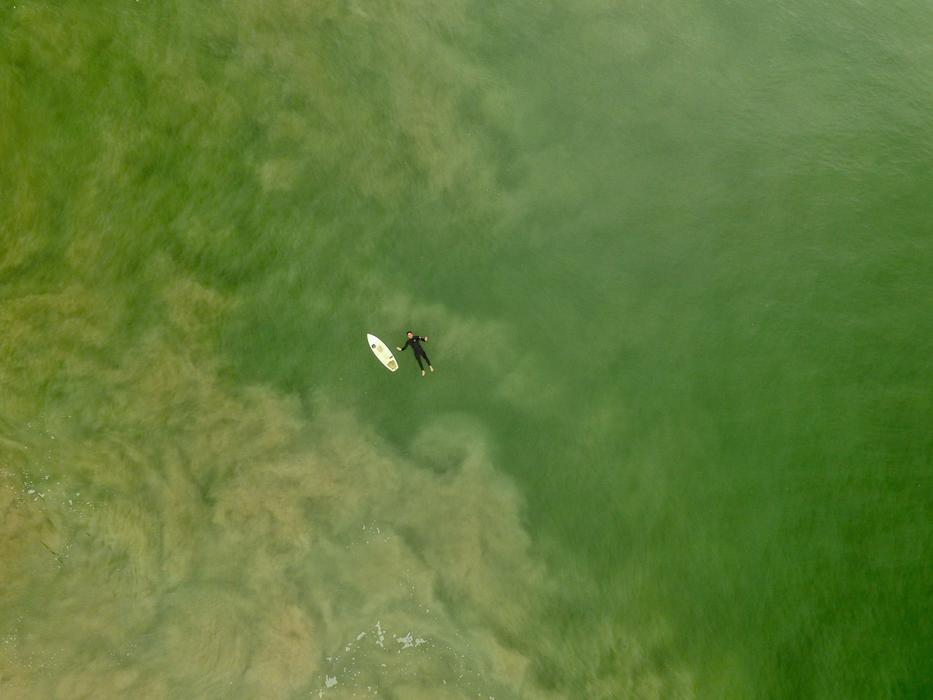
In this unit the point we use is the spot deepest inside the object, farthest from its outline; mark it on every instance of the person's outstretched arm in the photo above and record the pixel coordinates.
(402, 349)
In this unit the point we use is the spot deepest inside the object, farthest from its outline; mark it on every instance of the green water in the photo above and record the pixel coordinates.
(674, 260)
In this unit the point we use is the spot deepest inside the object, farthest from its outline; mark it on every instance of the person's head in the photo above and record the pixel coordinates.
(410, 335)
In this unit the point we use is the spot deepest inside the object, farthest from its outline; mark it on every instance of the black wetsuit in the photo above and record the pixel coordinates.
(415, 342)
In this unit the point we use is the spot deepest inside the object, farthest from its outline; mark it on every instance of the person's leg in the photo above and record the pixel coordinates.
(420, 366)
(427, 360)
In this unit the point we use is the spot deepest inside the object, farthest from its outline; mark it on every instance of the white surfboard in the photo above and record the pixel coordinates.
(382, 352)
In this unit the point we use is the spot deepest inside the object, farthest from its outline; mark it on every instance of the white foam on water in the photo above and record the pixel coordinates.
(409, 641)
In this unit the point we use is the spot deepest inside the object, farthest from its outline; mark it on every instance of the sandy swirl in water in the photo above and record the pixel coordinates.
(168, 535)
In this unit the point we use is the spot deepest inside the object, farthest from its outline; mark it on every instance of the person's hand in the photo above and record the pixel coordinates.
(398, 348)
(425, 337)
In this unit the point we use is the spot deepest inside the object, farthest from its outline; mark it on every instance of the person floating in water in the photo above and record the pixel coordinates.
(415, 342)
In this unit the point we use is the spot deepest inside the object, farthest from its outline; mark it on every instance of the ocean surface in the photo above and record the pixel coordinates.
(675, 263)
